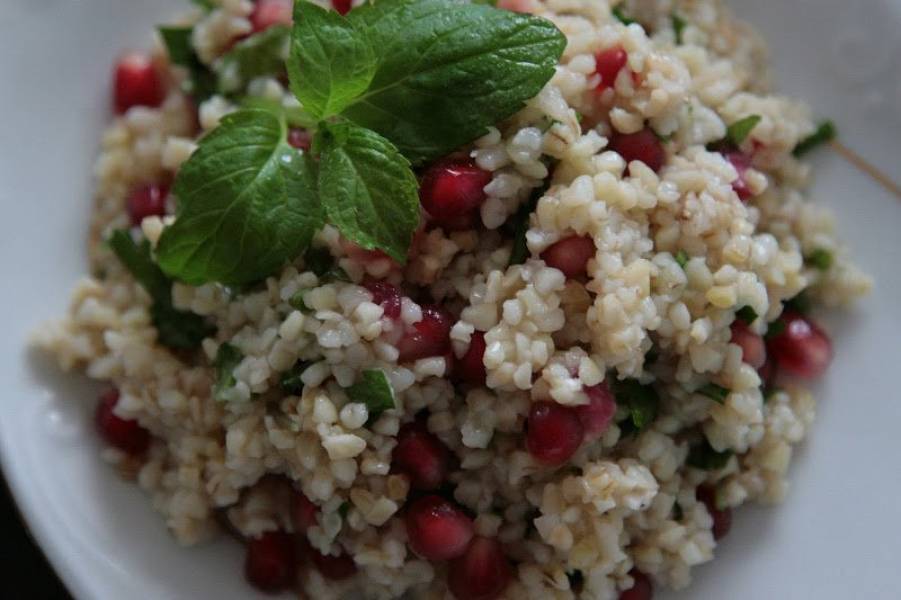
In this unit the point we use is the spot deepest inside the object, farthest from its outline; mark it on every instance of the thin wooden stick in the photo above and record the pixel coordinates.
(861, 163)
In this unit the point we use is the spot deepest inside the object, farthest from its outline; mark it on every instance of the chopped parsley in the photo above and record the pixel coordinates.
(621, 16)
(746, 314)
(679, 25)
(739, 131)
(715, 392)
(682, 258)
(825, 133)
(298, 303)
(703, 456)
(375, 391)
(819, 259)
(800, 303)
(641, 401)
(291, 381)
(227, 359)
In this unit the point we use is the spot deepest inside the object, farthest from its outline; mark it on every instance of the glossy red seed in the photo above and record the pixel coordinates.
(428, 337)
(451, 192)
(270, 561)
(421, 456)
(520, 6)
(335, 568)
(570, 255)
(385, 295)
(342, 6)
(801, 349)
(642, 146)
(137, 83)
(482, 573)
(303, 512)
(437, 529)
(148, 200)
(742, 163)
(722, 518)
(642, 589)
(267, 13)
(125, 434)
(753, 350)
(609, 63)
(299, 138)
(597, 415)
(553, 433)
(471, 367)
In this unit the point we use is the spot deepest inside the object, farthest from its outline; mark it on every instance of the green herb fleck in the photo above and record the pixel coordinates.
(738, 132)
(262, 54)
(825, 133)
(621, 16)
(703, 456)
(746, 314)
(679, 25)
(801, 303)
(641, 400)
(201, 82)
(775, 328)
(375, 391)
(206, 5)
(520, 226)
(819, 259)
(227, 359)
(298, 303)
(291, 382)
(682, 258)
(715, 392)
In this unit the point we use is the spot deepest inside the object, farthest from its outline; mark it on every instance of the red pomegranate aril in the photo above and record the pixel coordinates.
(482, 573)
(299, 138)
(753, 350)
(385, 295)
(267, 13)
(642, 146)
(437, 529)
(270, 563)
(722, 517)
(801, 349)
(471, 367)
(421, 456)
(553, 433)
(570, 255)
(609, 63)
(741, 162)
(137, 83)
(428, 337)
(451, 192)
(335, 568)
(148, 200)
(125, 434)
(303, 512)
(642, 589)
(597, 415)
(342, 6)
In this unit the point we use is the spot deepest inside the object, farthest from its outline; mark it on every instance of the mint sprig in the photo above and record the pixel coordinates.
(375, 391)
(201, 82)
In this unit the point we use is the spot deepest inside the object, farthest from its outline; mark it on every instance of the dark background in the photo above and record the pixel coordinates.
(26, 573)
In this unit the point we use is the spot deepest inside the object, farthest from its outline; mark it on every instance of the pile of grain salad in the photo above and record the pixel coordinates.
(446, 300)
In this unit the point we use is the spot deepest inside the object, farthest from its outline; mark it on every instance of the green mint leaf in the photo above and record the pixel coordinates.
(621, 16)
(298, 303)
(774, 329)
(227, 359)
(206, 5)
(800, 304)
(682, 258)
(715, 392)
(819, 259)
(703, 456)
(446, 71)
(319, 260)
(375, 391)
(259, 55)
(330, 63)
(679, 25)
(825, 133)
(291, 382)
(247, 203)
(179, 329)
(201, 82)
(641, 400)
(746, 314)
(739, 131)
(367, 188)
(295, 116)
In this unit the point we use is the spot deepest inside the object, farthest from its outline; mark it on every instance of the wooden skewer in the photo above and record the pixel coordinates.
(861, 163)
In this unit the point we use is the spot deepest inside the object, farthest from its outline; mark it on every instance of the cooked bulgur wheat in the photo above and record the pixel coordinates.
(626, 501)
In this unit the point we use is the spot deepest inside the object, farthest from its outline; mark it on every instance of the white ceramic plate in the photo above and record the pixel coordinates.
(835, 537)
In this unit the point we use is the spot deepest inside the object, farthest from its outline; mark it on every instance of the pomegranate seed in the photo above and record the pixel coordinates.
(609, 63)
(753, 350)
(520, 6)
(642, 589)
(335, 568)
(451, 192)
(553, 433)
(570, 255)
(482, 573)
(421, 456)
(642, 146)
(385, 295)
(428, 337)
(342, 6)
(742, 163)
(801, 348)
(270, 563)
(125, 434)
(303, 512)
(438, 529)
(299, 138)
(722, 518)
(137, 83)
(148, 200)
(598, 413)
(267, 13)
(470, 367)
